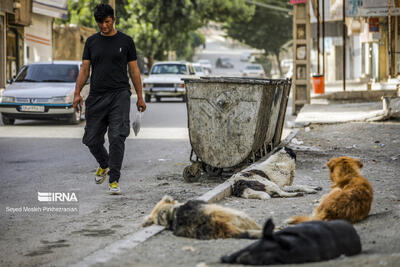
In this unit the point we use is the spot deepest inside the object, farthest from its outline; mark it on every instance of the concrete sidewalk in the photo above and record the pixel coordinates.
(339, 113)
(376, 144)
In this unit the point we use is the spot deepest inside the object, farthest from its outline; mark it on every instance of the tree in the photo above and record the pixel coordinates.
(267, 29)
(186, 48)
(162, 26)
(80, 12)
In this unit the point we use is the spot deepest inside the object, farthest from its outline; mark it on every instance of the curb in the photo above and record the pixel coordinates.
(107, 253)
(223, 190)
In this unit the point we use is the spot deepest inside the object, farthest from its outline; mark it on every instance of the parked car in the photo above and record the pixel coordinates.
(253, 70)
(224, 62)
(43, 90)
(165, 80)
(206, 64)
(200, 70)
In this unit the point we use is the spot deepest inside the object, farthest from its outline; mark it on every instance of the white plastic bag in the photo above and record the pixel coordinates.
(137, 122)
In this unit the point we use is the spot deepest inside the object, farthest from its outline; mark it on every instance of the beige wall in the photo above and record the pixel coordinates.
(69, 41)
(38, 39)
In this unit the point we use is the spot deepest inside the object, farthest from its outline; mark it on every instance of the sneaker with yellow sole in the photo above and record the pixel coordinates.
(114, 188)
(100, 175)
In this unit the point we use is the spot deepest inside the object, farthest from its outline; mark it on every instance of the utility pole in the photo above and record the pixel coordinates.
(318, 37)
(323, 37)
(344, 45)
(390, 39)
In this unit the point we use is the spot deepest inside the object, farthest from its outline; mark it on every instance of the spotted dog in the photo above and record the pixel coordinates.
(198, 219)
(271, 178)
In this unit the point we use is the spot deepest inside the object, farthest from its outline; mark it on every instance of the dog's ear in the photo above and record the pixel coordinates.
(147, 221)
(268, 230)
(331, 163)
(167, 199)
(359, 163)
(290, 152)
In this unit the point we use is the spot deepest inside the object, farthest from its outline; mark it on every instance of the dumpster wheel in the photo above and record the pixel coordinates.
(192, 172)
(210, 170)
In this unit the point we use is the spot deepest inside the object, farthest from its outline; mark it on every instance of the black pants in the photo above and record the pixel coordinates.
(108, 112)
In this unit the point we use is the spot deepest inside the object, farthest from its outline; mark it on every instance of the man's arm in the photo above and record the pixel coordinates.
(80, 82)
(134, 73)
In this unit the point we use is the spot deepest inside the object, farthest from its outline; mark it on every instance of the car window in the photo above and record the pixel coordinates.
(48, 73)
(198, 69)
(169, 69)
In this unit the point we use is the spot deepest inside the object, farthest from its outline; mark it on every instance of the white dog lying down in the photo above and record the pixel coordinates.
(271, 178)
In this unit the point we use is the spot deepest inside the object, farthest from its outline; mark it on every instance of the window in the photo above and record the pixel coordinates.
(48, 73)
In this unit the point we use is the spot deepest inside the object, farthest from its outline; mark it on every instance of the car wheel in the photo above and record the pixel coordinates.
(7, 120)
(184, 98)
(158, 99)
(75, 117)
(147, 98)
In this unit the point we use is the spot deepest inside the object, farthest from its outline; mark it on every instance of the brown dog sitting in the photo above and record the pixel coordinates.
(350, 197)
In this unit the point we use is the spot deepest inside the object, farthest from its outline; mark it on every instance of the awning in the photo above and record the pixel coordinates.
(51, 8)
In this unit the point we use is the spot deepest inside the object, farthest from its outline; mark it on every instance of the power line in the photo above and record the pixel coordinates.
(268, 6)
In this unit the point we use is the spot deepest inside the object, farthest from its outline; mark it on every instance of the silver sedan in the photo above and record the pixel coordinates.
(43, 90)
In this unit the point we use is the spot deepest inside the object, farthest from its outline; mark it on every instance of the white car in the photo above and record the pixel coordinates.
(43, 90)
(165, 80)
(206, 64)
(253, 70)
(200, 70)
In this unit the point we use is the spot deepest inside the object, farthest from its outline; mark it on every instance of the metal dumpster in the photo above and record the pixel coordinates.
(233, 121)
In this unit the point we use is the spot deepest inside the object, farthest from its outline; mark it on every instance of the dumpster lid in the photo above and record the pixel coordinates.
(246, 80)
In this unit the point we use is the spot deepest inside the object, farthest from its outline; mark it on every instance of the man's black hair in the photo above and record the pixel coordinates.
(102, 11)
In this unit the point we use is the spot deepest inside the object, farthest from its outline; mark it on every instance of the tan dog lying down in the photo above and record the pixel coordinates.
(271, 178)
(197, 219)
(350, 197)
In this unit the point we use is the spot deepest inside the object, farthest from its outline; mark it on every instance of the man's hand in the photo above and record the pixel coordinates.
(134, 72)
(80, 82)
(140, 104)
(78, 100)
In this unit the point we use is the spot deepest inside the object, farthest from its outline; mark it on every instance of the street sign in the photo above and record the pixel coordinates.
(295, 2)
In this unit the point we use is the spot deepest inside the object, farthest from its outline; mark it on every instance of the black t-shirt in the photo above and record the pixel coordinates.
(109, 56)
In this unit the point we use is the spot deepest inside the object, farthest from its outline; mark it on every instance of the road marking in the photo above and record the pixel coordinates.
(71, 132)
(113, 250)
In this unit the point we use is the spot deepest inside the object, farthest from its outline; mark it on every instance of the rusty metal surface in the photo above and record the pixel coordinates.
(229, 119)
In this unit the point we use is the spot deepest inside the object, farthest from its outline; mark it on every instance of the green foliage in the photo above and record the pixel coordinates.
(186, 48)
(80, 12)
(161, 26)
(267, 29)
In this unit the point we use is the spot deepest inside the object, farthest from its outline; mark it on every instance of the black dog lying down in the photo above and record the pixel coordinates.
(307, 242)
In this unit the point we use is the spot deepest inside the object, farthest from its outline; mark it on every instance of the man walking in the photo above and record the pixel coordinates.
(108, 53)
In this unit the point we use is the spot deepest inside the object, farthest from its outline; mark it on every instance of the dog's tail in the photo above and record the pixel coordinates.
(299, 219)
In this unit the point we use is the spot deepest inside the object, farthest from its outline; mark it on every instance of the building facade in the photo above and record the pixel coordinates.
(371, 54)
(26, 33)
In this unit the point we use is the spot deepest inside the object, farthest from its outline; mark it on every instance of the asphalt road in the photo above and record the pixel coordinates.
(45, 156)
(49, 157)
